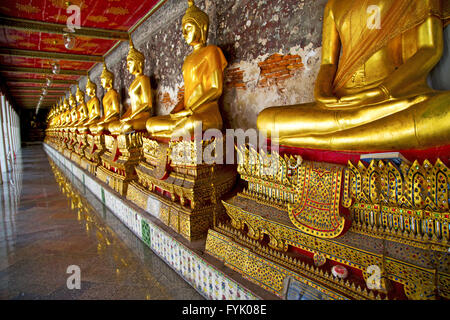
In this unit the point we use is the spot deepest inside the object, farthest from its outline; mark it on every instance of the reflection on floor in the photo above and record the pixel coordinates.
(47, 226)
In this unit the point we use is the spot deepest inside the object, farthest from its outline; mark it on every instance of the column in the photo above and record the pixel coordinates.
(8, 128)
(3, 141)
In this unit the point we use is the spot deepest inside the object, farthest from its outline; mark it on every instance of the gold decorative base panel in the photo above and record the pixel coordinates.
(90, 166)
(191, 224)
(410, 266)
(67, 153)
(76, 158)
(271, 275)
(192, 190)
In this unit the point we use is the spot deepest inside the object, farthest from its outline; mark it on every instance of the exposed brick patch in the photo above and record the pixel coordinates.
(274, 70)
(234, 78)
(277, 68)
(167, 103)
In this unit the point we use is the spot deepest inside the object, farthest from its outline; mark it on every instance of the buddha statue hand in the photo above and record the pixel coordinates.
(181, 114)
(366, 97)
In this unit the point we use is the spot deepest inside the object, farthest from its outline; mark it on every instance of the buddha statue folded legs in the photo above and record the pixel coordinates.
(374, 96)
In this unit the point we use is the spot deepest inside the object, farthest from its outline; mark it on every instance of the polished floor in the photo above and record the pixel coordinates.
(43, 232)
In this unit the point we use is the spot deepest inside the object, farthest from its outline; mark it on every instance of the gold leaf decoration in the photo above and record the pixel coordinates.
(16, 37)
(27, 8)
(61, 4)
(117, 11)
(60, 18)
(28, 44)
(97, 18)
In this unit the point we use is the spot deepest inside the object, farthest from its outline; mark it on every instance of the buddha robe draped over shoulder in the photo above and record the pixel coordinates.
(412, 115)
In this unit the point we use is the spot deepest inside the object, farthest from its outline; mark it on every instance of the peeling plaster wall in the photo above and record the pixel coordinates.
(248, 32)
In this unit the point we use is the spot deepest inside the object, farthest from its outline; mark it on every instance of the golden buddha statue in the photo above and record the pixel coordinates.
(93, 104)
(203, 79)
(140, 94)
(371, 91)
(74, 114)
(82, 110)
(111, 103)
(66, 117)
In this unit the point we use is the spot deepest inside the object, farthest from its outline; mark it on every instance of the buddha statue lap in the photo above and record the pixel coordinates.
(374, 96)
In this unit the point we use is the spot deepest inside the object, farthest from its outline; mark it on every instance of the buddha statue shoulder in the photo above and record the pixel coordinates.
(203, 79)
(371, 93)
(111, 102)
(93, 104)
(140, 93)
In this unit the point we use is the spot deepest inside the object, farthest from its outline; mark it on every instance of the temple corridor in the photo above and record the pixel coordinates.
(41, 235)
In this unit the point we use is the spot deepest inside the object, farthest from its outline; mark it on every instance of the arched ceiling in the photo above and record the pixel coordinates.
(31, 40)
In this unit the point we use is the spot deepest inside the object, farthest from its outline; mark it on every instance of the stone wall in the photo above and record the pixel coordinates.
(273, 49)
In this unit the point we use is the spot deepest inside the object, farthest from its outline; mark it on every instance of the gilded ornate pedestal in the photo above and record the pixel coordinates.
(94, 149)
(79, 148)
(118, 162)
(394, 217)
(189, 190)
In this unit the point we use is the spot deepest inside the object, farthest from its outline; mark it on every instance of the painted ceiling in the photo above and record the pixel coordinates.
(27, 54)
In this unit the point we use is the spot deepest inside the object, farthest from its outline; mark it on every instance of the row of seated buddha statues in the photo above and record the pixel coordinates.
(133, 153)
(360, 179)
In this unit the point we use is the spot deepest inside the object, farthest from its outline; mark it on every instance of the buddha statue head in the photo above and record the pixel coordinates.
(72, 101)
(135, 60)
(107, 78)
(91, 88)
(195, 24)
(79, 95)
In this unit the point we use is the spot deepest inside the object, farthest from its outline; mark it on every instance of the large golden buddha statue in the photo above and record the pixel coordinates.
(371, 91)
(82, 110)
(66, 118)
(140, 95)
(73, 109)
(93, 104)
(111, 103)
(203, 80)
